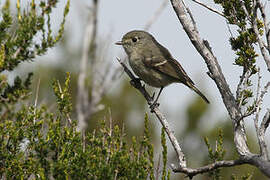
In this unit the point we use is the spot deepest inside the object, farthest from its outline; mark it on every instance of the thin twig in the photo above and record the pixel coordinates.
(266, 24)
(264, 53)
(192, 172)
(245, 9)
(62, 95)
(36, 100)
(17, 53)
(243, 82)
(229, 29)
(209, 8)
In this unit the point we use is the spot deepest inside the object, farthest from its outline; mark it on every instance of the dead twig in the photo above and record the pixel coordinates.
(209, 8)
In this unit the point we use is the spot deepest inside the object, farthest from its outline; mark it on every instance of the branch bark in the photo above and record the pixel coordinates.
(264, 53)
(137, 84)
(182, 168)
(192, 172)
(205, 51)
(216, 74)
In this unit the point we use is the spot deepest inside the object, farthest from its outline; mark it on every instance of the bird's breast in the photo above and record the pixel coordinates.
(149, 75)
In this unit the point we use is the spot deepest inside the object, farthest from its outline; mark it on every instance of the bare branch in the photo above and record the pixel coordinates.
(266, 24)
(261, 135)
(192, 172)
(17, 53)
(243, 82)
(204, 49)
(209, 8)
(155, 16)
(264, 53)
(265, 121)
(137, 84)
(259, 101)
(229, 100)
(256, 119)
(229, 29)
(85, 107)
(82, 95)
(36, 100)
(67, 115)
(259, 97)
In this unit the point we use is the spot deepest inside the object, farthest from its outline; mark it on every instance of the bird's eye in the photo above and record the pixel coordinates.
(134, 39)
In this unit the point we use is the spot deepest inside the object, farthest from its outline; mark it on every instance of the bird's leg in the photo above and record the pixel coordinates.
(155, 103)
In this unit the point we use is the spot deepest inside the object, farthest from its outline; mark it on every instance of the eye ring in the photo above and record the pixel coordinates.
(134, 39)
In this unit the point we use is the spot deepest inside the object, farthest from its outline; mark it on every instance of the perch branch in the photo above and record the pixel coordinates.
(137, 84)
(181, 157)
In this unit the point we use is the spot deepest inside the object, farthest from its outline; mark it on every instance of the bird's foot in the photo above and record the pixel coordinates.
(153, 106)
(136, 82)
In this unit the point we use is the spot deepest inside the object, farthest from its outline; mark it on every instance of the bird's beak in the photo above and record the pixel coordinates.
(119, 43)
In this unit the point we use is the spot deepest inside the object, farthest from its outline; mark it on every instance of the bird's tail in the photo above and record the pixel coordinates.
(191, 86)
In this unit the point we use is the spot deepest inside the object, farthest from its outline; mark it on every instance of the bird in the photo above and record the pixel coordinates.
(153, 63)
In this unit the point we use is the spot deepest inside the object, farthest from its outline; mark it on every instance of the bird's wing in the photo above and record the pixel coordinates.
(169, 67)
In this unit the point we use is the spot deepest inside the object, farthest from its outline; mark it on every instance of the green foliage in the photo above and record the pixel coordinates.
(217, 154)
(149, 147)
(240, 13)
(233, 11)
(165, 174)
(248, 176)
(11, 94)
(195, 110)
(29, 35)
(63, 96)
(37, 144)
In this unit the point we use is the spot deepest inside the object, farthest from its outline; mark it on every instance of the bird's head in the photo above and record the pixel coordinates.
(135, 41)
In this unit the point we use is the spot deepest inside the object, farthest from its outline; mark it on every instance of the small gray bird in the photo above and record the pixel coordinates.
(153, 63)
